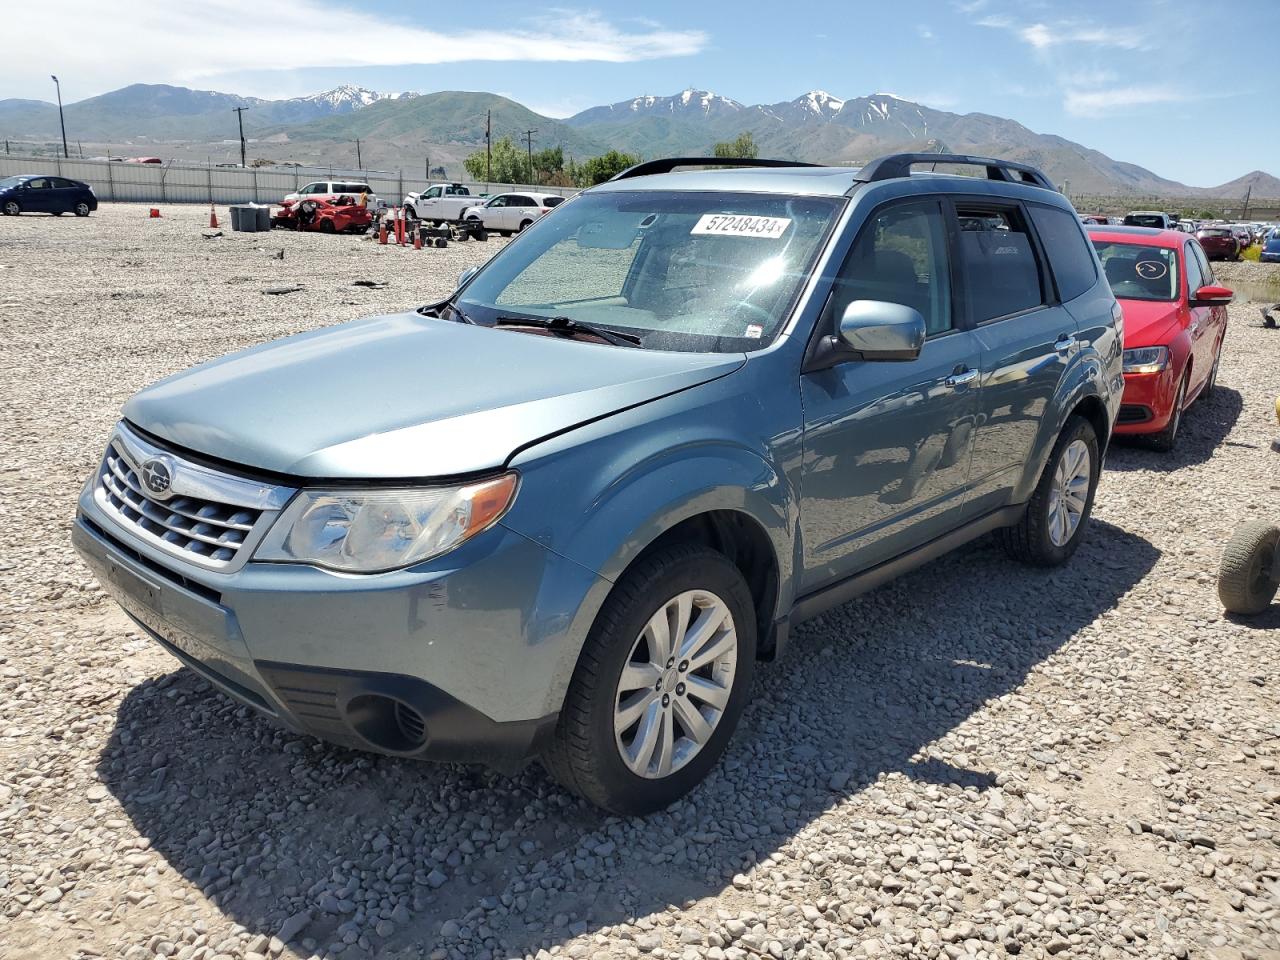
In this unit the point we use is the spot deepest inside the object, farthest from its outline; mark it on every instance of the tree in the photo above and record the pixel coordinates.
(510, 164)
(742, 148)
(595, 170)
(547, 163)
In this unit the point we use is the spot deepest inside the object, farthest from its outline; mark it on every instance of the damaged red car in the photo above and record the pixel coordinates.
(1175, 319)
(333, 214)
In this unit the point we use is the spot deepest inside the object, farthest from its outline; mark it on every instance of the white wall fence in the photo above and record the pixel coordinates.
(198, 183)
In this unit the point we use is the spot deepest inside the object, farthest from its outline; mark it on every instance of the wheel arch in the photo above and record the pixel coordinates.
(743, 540)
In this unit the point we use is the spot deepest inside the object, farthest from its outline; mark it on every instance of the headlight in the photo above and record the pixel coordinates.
(1146, 359)
(372, 530)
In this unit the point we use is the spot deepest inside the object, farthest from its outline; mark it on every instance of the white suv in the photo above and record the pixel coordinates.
(512, 212)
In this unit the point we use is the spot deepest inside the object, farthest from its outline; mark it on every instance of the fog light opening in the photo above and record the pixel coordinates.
(386, 723)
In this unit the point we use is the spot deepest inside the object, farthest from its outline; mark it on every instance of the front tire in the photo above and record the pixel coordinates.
(660, 684)
(1165, 440)
(1058, 512)
(1246, 579)
(81, 209)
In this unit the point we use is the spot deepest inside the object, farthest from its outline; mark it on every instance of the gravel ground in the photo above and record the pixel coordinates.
(979, 760)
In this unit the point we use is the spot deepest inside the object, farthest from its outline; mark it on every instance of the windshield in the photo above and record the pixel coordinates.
(11, 182)
(707, 272)
(1139, 273)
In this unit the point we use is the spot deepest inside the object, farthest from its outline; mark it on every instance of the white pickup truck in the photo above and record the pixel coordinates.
(444, 202)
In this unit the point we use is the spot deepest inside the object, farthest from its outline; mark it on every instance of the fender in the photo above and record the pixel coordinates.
(600, 494)
(1085, 377)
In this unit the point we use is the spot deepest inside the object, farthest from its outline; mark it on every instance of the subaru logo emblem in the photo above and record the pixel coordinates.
(157, 476)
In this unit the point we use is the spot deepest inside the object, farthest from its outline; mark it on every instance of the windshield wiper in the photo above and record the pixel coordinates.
(570, 327)
(457, 312)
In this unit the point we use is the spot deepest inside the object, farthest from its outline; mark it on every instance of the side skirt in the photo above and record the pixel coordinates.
(842, 591)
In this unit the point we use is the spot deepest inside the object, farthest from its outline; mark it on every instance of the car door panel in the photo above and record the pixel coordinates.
(887, 445)
(1026, 338)
(35, 196)
(1024, 361)
(886, 459)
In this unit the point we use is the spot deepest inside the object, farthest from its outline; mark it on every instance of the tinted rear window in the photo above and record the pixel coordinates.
(552, 201)
(1002, 275)
(1070, 257)
(1144, 220)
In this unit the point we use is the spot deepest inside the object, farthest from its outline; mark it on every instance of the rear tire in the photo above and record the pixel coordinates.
(1045, 536)
(55, 213)
(1246, 581)
(524, 225)
(595, 752)
(12, 208)
(1164, 440)
(1212, 383)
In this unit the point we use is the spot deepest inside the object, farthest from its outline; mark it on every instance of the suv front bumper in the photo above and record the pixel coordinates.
(464, 658)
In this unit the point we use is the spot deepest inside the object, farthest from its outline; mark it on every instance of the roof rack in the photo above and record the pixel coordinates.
(897, 165)
(667, 164)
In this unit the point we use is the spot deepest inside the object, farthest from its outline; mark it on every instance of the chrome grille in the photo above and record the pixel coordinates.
(215, 531)
(205, 517)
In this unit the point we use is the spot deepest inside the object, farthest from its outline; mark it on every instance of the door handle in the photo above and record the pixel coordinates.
(1064, 343)
(961, 378)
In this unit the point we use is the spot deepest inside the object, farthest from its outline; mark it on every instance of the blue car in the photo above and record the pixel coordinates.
(563, 513)
(43, 194)
(1271, 248)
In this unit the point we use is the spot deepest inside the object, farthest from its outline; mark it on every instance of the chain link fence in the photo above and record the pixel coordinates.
(201, 183)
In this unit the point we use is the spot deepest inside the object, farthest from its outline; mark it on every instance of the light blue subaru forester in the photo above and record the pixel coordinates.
(564, 512)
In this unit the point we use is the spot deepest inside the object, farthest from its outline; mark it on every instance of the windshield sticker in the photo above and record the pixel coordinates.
(1150, 269)
(754, 331)
(734, 225)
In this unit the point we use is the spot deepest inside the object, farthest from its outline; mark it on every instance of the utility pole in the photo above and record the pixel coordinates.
(488, 146)
(1247, 194)
(528, 139)
(359, 162)
(240, 116)
(61, 122)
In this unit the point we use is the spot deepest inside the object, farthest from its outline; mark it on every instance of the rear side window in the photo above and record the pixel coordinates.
(1195, 276)
(1070, 256)
(1001, 273)
(899, 257)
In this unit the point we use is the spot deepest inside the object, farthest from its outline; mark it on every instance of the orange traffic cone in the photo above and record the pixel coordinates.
(213, 218)
(382, 232)
(417, 239)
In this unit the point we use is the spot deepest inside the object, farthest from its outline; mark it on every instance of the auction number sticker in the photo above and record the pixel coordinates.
(738, 225)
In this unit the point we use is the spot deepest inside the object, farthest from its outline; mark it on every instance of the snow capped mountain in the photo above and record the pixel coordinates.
(686, 104)
(348, 97)
(819, 103)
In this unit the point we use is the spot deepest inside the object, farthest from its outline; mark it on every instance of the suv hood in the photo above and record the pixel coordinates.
(404, 396)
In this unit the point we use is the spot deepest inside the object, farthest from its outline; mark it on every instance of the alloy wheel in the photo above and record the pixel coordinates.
(676, 683)
(1070, 492)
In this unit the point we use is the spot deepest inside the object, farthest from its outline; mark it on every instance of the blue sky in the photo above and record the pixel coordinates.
(1178, 86)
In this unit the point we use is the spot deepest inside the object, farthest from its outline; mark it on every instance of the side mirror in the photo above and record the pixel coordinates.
(876, 330)
(870, 330)
(1211, 296)
(465, 276)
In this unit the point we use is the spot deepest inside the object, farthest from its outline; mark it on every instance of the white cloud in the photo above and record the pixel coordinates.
(925, 32)
(157, 41)
(1041, 36)
(1087, 103)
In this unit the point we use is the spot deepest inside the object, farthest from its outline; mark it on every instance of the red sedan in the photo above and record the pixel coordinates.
(1175, 319)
